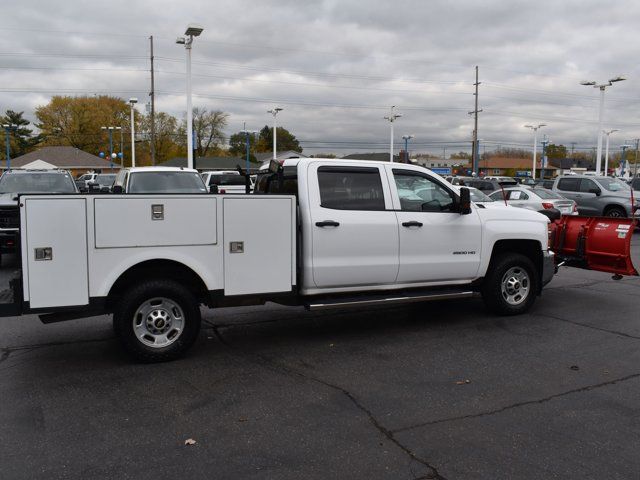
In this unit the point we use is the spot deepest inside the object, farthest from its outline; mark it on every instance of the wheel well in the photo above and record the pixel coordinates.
(169, 269)
(529, 248)
(613, 205)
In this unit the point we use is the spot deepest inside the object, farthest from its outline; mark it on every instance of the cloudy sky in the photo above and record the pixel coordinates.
(336, 66)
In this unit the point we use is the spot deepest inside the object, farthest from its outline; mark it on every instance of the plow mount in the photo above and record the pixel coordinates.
(593, 243)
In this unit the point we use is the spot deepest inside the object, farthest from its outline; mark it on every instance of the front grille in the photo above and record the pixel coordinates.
(9, 217)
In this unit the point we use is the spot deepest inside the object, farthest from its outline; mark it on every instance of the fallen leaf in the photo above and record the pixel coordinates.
(242, 419)
(189, 441)
(463, 382)
(331, 344)
(574, 367)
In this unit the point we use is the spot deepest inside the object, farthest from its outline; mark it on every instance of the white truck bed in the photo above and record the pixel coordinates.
(98, 238)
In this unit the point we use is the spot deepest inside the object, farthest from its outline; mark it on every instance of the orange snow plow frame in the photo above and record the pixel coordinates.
(593, 243)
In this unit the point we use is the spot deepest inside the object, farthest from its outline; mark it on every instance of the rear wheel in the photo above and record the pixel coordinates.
(615, 212)
(511, 284)
(157, 320)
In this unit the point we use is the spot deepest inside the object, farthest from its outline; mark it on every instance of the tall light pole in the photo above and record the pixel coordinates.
(392, 118)
(606, 150)
(248, 134)
(406, 139)
(111, 155)
(602, 87)
(132, 102)
(274, 111)
(7, 129)
(193, 30)
(535, 145)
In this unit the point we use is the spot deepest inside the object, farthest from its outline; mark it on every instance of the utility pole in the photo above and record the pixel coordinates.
(573, 147)
(152, 94)
(476, 151)
(635, 162)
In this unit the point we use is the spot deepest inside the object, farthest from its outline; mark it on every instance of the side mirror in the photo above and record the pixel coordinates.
(596, 191)
(117, 189)
(465, 201)
(213, 188)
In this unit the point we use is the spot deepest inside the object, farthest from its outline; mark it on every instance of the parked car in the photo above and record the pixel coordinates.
(158, 180)
(458, 180)
(526, 181)
(504, 181)
(17, 181)
(484, 185)
(536, 199)
(83, 181)
(227, 181)
(104, 180)
(598, 196)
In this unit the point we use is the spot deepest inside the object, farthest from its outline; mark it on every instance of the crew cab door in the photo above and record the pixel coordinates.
(354, 229)
(436, 242)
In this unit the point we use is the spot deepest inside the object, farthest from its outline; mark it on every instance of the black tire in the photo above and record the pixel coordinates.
(177, 303)
(520, 268)
(616, 212)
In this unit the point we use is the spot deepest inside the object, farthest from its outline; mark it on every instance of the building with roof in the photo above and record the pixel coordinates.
(68, 158)
(513, 167)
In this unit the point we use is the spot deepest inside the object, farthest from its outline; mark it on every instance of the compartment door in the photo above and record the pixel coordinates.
(56, 252)
(259, 244)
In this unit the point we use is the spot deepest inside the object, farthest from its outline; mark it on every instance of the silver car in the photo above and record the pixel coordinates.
(535, 199)
(598, 195)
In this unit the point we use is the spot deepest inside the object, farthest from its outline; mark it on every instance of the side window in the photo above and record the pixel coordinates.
(419, 193)
(586, 185)
(350, 188)
(569, 184)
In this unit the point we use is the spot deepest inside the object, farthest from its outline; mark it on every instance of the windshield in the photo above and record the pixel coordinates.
(105, 179)
(226, 179)
(478, 197)
(166, 182)
(37, 183)
(613, 184)
(546, 194)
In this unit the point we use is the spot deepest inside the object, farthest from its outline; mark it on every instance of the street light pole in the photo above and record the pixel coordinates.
(602, 87)
(606, 151)
(535, 145)
(623, 158)
(192, 31)
(274, 111)
(132, 102)
(248, 166)
(406, 139)
(392, 118)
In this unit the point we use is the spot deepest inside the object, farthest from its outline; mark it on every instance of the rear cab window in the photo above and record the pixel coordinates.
(351, 188)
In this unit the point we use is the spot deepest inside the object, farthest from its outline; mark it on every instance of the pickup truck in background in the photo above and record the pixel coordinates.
(322, 233)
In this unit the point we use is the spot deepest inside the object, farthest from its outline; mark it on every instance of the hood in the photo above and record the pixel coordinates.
(500, 211)
(8, 199)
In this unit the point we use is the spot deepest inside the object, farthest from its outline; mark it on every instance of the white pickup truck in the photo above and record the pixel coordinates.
(317, 232)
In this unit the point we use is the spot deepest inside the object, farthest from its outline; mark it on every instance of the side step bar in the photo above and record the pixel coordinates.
(389, 300)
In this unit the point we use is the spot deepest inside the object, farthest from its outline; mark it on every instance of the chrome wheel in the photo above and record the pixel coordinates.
(158, 322)
(515, 285)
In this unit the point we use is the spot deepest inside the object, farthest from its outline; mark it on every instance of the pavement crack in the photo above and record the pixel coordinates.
(586, 325)
(34, 346)
(264, 360)
(4, 354)
(518, 404)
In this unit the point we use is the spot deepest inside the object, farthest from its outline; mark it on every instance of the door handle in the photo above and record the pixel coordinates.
(412, 223)
(327, 223)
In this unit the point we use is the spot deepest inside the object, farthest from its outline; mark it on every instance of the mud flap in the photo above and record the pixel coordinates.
(593, 243)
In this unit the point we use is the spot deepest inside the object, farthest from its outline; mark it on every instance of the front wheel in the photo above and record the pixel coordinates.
(511, 284)
(616, 212)
(157, 320)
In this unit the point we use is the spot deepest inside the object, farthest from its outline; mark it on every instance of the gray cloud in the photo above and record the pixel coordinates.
(336, 66)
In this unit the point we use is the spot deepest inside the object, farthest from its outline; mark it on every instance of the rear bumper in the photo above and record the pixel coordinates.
(548, 267)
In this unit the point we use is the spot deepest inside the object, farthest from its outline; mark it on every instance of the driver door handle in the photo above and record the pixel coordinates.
(327, 223)
(412, 223)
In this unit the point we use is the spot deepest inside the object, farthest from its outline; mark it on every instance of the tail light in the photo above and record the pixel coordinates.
(575, 207)
(222, 191)
(547, 206)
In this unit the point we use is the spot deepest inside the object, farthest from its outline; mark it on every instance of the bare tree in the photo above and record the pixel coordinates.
(208, 128)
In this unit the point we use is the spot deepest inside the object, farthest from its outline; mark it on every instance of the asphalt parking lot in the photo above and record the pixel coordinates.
(437, 390)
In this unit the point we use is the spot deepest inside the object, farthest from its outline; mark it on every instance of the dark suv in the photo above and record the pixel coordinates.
(15, 182)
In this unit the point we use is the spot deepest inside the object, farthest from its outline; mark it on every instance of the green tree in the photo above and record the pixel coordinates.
(21, 139)
(555, 151)
(286, 140)
(78, 121)
(238, 145)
